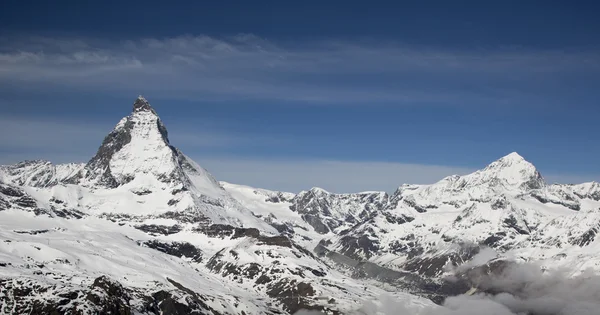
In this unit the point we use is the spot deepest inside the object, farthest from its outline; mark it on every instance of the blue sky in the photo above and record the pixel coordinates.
(344, 95)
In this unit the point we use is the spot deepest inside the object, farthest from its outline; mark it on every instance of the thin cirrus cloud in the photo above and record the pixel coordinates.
(249, 67)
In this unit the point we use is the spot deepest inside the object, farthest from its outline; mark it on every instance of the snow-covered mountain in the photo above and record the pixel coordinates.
(143, 229)
(506, 206)
(39, 173)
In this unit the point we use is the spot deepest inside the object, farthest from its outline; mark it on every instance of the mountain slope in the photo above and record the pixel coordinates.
(420, 228)
(141, 228)
(506, 206)
(39, 173)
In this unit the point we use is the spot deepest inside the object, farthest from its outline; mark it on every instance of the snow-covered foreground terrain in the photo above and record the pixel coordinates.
(143, 229)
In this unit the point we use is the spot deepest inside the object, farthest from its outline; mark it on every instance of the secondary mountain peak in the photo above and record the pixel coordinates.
(512, 170)
(512, 161)
(513, 156)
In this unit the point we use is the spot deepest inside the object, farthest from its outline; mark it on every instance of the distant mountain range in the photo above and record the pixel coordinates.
(143, 229)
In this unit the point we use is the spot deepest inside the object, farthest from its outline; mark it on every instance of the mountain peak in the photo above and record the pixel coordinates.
(511, 160)
(139, 144)
(513, 156)
(513, 170)
(142, 105)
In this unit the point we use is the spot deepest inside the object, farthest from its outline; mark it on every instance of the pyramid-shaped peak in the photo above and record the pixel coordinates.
(139, 144)
(142, 105)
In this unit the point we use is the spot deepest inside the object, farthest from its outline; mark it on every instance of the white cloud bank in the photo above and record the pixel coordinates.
(525, 289)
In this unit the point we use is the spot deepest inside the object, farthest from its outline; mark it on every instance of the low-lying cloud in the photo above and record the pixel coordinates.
(521, 289)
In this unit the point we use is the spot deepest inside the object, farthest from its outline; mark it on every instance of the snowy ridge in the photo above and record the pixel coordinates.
(39, 173)
(308, 215)
(328, 212)
(509, 175)
(143, 229)
(506, 206)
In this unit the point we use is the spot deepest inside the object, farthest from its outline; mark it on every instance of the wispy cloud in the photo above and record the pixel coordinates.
(249, 67)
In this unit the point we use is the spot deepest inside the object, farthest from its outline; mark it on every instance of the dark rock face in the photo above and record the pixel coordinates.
(407, 245)
(500, 203)
(142, 192)
(433, 266)
(142, 105)
(178, 249)
(159, 229)
(493, 241)
(314, 209)
(358, 247)
(594, 195)
(248, 232)
(4, 204)
(511, 222)
(280, 240)
(31, 232)
(535, 182)
(284, 228)
(165, 303)
(104, 296)
(296, 296)
(11, 191)
(317, 223)
(99, 164)
(397, 219)
(26, 202)
(68, 213)
(110, 296)
(586, 238)
(216, 230)
(279, 197)
(568, 202)
(226, 231)
(413, 204)
(185, 217)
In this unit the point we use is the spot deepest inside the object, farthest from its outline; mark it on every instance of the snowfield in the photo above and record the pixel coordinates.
(143, 229)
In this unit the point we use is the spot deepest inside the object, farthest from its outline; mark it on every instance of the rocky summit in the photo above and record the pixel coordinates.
(143, 229)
